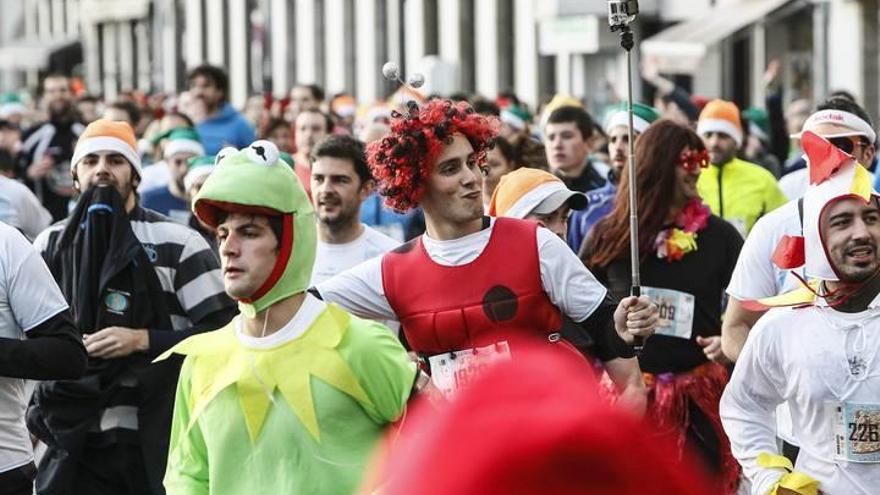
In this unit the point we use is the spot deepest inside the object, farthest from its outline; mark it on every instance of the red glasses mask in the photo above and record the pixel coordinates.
(693, 160)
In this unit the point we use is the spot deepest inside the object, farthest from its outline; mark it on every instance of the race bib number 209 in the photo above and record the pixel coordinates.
(676, 311)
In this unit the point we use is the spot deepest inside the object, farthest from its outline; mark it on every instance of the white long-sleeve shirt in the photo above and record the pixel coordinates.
(568, 284)
(811, 358)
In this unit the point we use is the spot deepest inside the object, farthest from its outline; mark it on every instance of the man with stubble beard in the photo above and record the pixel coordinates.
(310, 127)
(601, 199)
(137, 283)
(816, 349)
(222, 125)
(341, 181)
(44, 163)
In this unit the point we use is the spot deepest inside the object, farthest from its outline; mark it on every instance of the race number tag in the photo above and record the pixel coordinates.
(857, 432)
(451, 371)
(676, 311)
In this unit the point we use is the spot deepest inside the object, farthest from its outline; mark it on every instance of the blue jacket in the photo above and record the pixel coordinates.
(226, 128)
(601, 202)
(375, 214)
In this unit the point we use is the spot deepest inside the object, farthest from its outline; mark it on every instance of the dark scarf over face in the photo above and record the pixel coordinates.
(98, 255)
(94, 246)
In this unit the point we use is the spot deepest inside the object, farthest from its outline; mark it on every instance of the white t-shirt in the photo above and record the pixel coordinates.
(567, 282)
(308, 312)
(794, 184)
(21, 209)
(28, 297)
(332, 259)
(810, 359)
(755, 276)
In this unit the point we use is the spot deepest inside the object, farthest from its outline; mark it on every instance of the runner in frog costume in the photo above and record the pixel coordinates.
(292, 395)
(817, 349)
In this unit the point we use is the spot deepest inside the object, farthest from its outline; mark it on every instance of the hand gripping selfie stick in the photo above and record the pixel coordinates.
(620, 14)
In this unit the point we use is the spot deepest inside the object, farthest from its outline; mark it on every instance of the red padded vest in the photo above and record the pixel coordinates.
(496, 297)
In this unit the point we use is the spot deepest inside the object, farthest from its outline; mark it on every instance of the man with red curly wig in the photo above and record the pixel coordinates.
(473, 288)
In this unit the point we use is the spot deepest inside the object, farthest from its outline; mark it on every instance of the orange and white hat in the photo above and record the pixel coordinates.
(721, 116)
(529, 190)
(107, 135)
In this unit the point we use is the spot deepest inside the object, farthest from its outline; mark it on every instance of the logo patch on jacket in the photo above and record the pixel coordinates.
(152, 255)
(117, 301)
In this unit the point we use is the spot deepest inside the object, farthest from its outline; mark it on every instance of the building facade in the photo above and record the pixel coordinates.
(534, 47)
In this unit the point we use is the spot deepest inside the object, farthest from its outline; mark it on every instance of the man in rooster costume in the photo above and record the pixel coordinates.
(816, 349)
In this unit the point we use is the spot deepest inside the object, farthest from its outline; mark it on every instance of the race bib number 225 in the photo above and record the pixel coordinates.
(857, 432)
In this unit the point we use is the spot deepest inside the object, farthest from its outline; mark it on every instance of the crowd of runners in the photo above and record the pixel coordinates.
(432, 294)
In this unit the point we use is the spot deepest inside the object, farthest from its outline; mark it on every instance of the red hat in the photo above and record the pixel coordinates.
(534, 425)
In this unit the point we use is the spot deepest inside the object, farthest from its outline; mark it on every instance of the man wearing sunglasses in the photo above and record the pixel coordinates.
(848, 127)
(844, 123)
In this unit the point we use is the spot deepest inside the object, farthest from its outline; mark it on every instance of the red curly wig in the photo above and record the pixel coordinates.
(402, 161)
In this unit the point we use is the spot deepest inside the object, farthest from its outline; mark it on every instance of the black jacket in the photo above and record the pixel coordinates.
(98, 250)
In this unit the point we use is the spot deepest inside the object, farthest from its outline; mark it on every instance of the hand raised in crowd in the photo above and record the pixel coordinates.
(40, 168)
(636, 317)
(771, 74)
(712, 348)
(115, 342)
(651, 73)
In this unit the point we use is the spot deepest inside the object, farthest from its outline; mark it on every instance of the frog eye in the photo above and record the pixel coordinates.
(223, 154)
(262, 152)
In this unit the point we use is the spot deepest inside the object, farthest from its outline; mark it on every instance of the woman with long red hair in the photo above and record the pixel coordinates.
(687, 257)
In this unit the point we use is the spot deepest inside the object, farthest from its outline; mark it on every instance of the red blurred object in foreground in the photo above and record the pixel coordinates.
(534, 425)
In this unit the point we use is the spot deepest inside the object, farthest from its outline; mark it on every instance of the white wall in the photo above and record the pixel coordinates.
(367, 56)
(845, 63)
(306, 65)
(280, 46)
(192, 29)
(486, 47)
(215, 35)
(334, 46)
(414, 36)
(238, 66)
(709, 81)
(525, 71)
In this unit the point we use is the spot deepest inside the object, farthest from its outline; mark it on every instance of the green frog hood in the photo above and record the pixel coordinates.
(255, 180)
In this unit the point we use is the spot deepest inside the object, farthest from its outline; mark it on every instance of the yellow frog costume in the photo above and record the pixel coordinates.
(298, 411)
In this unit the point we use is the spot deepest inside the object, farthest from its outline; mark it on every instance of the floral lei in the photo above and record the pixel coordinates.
(674, 242)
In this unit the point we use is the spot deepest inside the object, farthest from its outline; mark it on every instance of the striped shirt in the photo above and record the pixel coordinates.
(188, 269)
(192, 287)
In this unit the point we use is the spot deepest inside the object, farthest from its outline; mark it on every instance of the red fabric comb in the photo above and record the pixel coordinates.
(789, 253)
(825, 158)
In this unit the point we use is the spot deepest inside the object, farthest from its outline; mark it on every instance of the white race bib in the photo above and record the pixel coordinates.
(856, 432)
(676, 311)
(451, 371)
